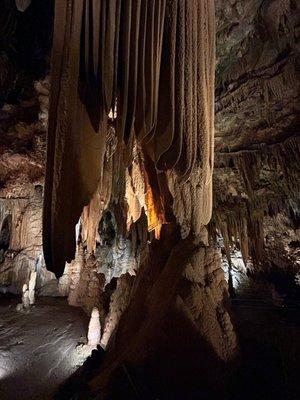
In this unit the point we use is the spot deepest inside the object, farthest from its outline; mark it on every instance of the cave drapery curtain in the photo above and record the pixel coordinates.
(150, 60)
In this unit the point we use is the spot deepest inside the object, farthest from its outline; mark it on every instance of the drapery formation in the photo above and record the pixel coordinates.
(149, 65)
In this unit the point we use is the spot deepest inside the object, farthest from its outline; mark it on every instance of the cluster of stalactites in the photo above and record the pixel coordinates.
(138, 194)
(242, 227)
(282, 158)
(239, 217)
(151, 62)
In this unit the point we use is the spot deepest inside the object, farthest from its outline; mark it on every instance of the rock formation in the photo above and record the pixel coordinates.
(94, 332)
(31, 287)
(129, 189)
(22, 4)
(130, 154)
(91, 90)
(25, 297)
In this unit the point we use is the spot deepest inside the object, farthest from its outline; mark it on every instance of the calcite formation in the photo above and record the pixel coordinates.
(22, 4)
(94, 332)
(31, 287)
(25, 297)
(130, 155)
(136, 57)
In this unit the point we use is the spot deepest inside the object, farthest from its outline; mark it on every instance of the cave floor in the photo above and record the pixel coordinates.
(39, 349)
(268, 326)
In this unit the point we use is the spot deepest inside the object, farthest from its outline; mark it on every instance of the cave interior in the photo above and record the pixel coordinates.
(149, 199)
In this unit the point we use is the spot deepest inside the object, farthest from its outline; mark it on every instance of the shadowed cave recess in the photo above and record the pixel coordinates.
(149, 199)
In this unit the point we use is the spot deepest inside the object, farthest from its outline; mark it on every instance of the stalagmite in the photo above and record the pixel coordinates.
(25, 297)
(31, 287)
(94, 332)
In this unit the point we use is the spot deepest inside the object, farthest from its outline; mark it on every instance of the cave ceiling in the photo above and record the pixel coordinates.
(257, 86)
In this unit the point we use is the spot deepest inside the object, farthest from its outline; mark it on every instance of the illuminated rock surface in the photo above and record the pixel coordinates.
(38, 349)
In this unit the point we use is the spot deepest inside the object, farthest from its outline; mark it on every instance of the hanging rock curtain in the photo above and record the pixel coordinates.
(149, 62)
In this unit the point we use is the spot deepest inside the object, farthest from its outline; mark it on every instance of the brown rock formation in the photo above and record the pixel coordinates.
(130, 146)
(80, 93)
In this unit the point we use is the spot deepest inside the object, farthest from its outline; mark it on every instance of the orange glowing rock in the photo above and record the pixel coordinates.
(155, 216)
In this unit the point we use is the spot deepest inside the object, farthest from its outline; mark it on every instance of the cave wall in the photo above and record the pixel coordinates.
(25, 42)
(256, 175)
(22, 158)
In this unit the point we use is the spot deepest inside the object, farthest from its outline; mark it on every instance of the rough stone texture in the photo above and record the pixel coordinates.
(38, 349)
(177, 307)
(174, 127)
(118, 303)
(256, 85)
(24, 97)
(24, 94)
